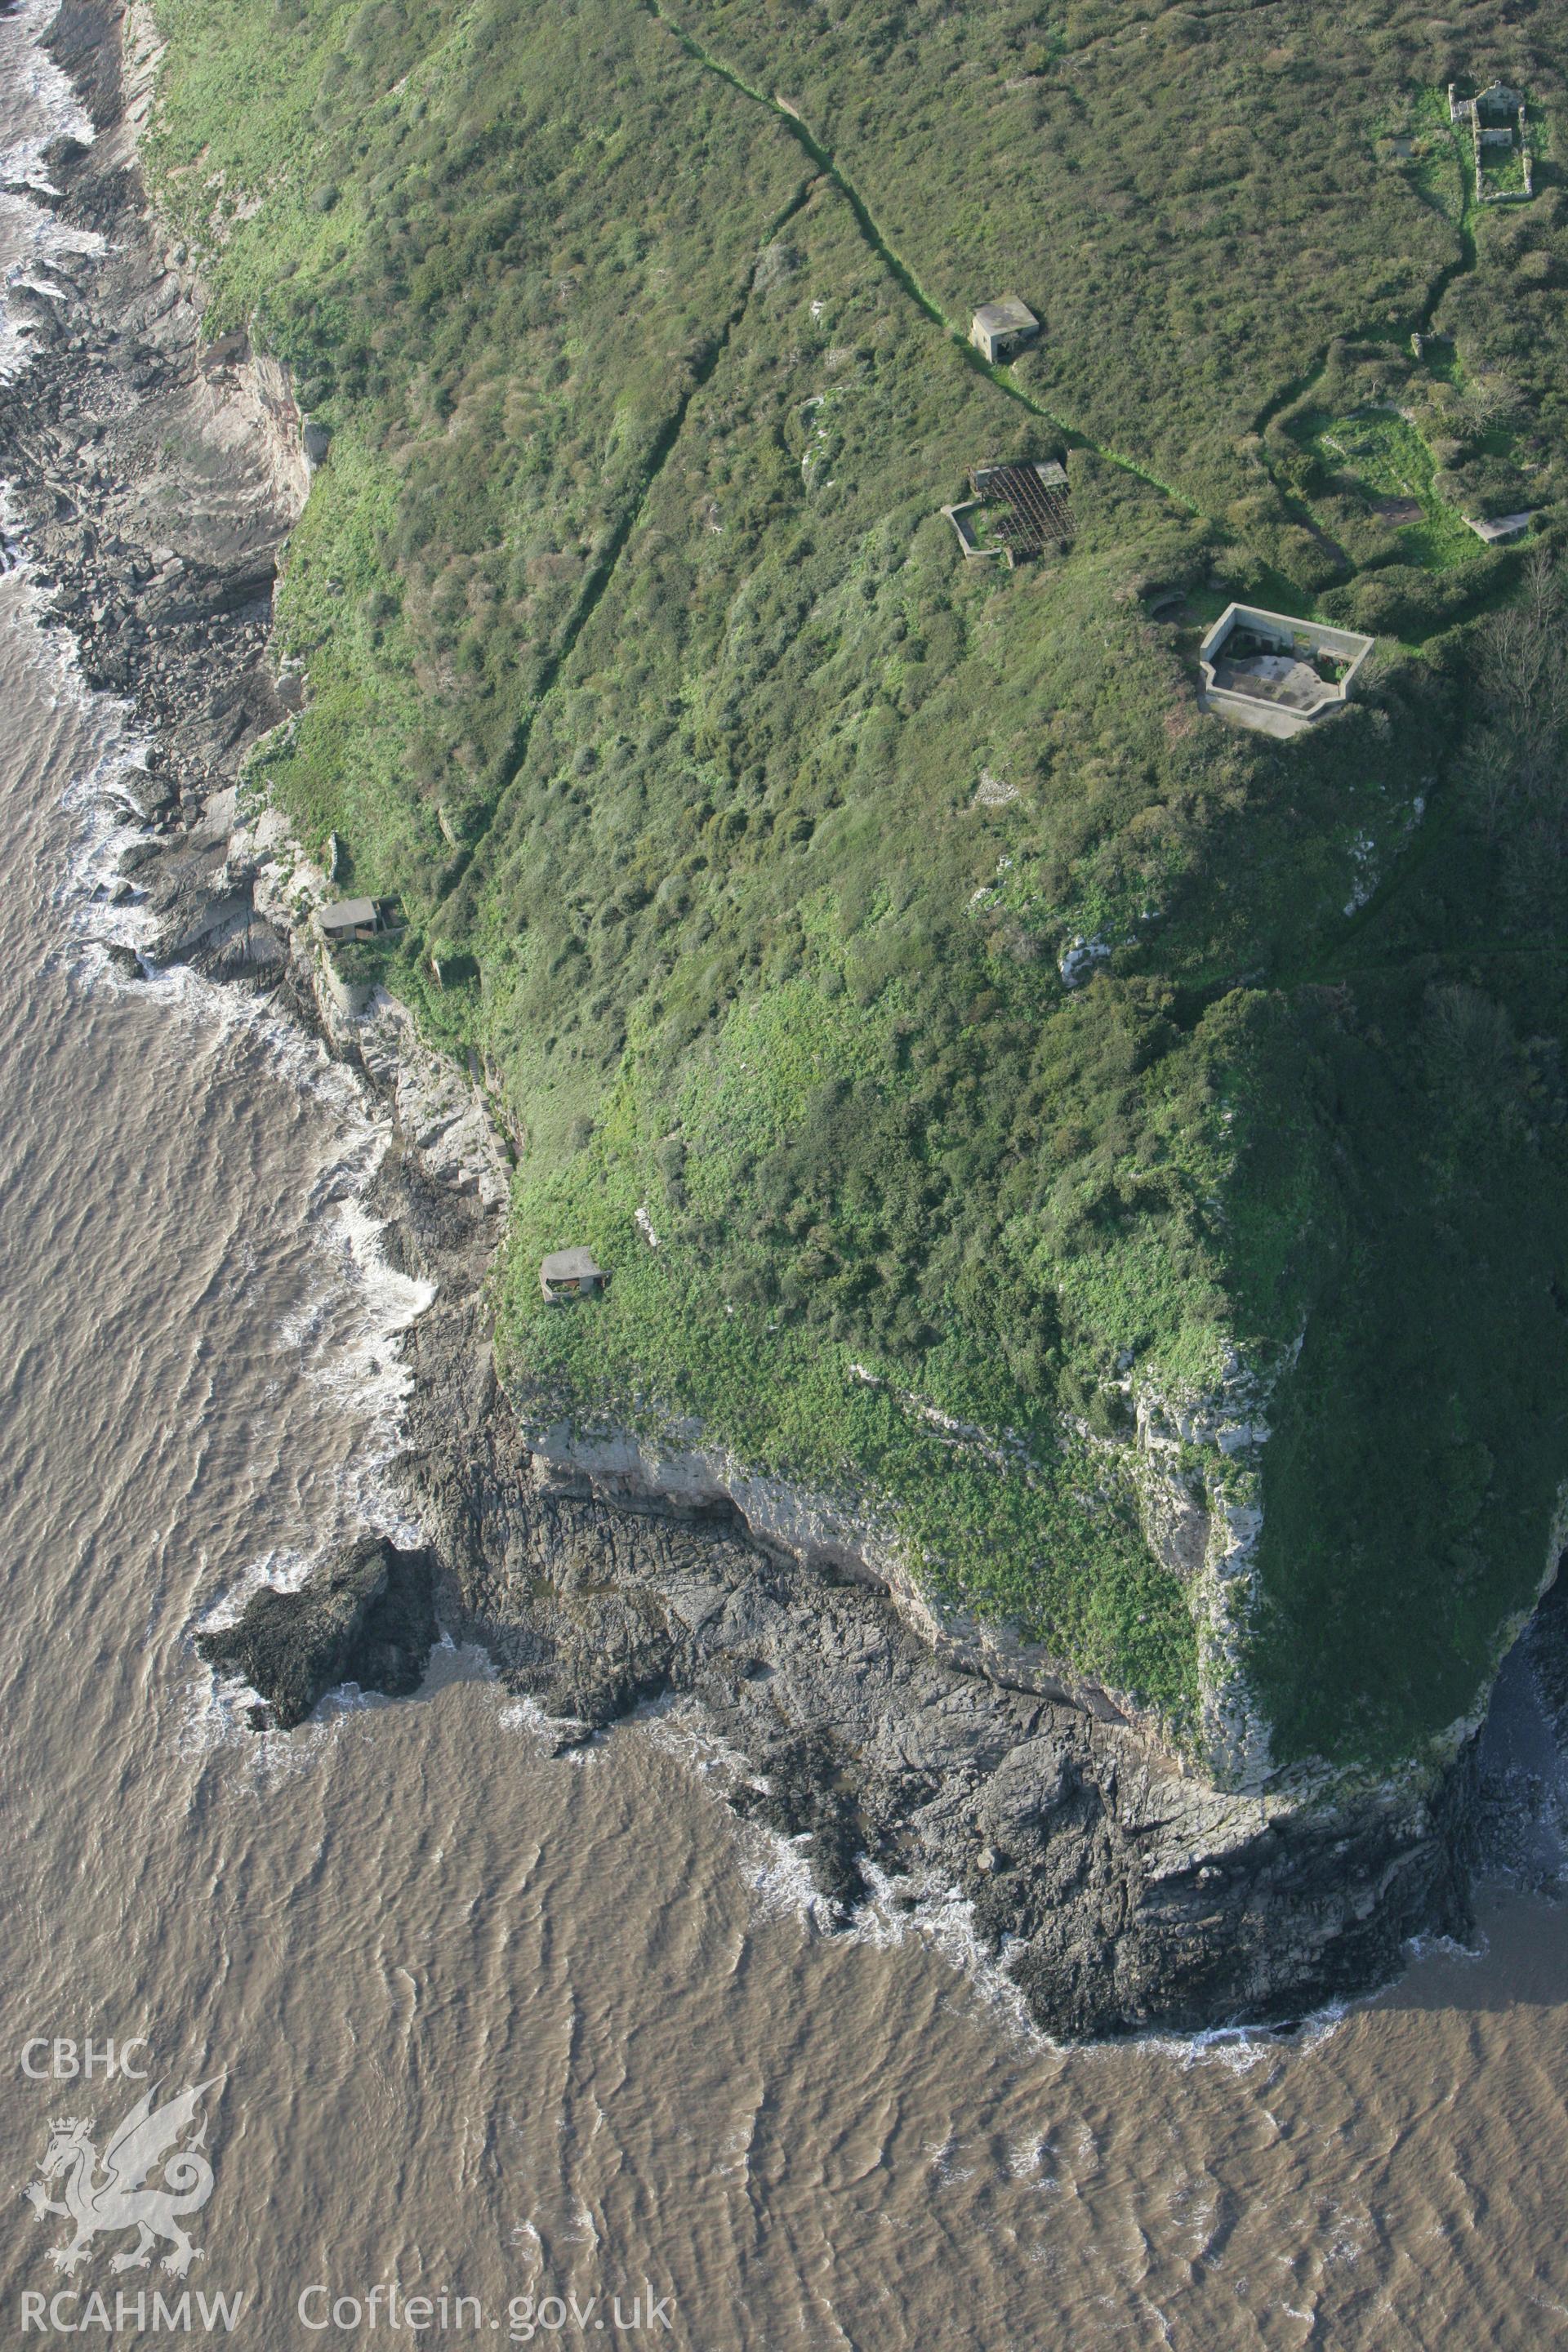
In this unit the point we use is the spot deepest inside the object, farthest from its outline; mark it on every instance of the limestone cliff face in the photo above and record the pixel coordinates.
(241, 404)
(1195, 1463)
(1197, 1466)
(842, 1538)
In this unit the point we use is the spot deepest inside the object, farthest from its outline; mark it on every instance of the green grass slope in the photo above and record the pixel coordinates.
(753, 830)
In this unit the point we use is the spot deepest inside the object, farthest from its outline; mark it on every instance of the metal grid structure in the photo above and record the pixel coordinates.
(1027, 506)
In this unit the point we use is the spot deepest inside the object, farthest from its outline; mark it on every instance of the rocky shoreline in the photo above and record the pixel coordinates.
(155, 481)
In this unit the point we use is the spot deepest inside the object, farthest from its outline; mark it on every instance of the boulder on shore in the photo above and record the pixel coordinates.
(368, 1616)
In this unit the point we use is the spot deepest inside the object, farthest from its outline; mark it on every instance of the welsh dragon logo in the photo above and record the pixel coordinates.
(109, 2192)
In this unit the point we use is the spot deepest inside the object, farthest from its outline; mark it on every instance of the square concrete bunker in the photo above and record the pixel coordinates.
(1277, 674)
(571, 1274)
(999, 329)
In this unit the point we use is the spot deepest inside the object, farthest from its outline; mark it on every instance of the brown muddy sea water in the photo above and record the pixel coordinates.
(493, 2026)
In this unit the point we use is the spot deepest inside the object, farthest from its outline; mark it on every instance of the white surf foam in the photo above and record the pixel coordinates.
(38, 106)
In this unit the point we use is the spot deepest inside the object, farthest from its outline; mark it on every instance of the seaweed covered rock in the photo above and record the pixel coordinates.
(368, 1616)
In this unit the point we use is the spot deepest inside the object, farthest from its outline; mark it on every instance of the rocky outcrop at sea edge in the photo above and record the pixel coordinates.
(367, 1617)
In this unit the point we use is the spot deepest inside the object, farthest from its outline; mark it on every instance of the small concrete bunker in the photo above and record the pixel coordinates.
(356, 918)
(1277, 674)
(571, 1274)
(349, 982)
(999, 329)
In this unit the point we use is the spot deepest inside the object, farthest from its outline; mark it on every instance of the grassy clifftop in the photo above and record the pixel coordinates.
(753, 833)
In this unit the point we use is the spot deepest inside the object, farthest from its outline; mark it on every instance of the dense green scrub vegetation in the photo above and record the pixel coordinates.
(946, 1034)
